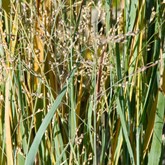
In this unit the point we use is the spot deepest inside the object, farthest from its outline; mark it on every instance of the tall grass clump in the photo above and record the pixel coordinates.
(82, 82)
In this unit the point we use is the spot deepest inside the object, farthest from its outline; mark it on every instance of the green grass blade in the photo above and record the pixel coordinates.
(125, 132)
(155, 153)
(34, 147)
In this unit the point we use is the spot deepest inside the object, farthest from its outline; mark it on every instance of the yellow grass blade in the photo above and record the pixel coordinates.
(9, 149)
(13, 37)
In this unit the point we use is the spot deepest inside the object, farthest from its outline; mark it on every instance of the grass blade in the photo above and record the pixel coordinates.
(34, 147)
(125, 132)
(155, 153)
(7, 123)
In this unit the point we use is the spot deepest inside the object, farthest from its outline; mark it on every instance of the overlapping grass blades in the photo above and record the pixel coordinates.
(155, 153)
(109, 110)
(46, 121)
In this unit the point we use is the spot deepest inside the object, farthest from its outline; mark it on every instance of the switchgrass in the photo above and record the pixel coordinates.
(82, 82)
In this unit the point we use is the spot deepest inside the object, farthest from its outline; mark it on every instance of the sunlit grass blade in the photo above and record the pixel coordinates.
(14, 30)
(7, 122)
